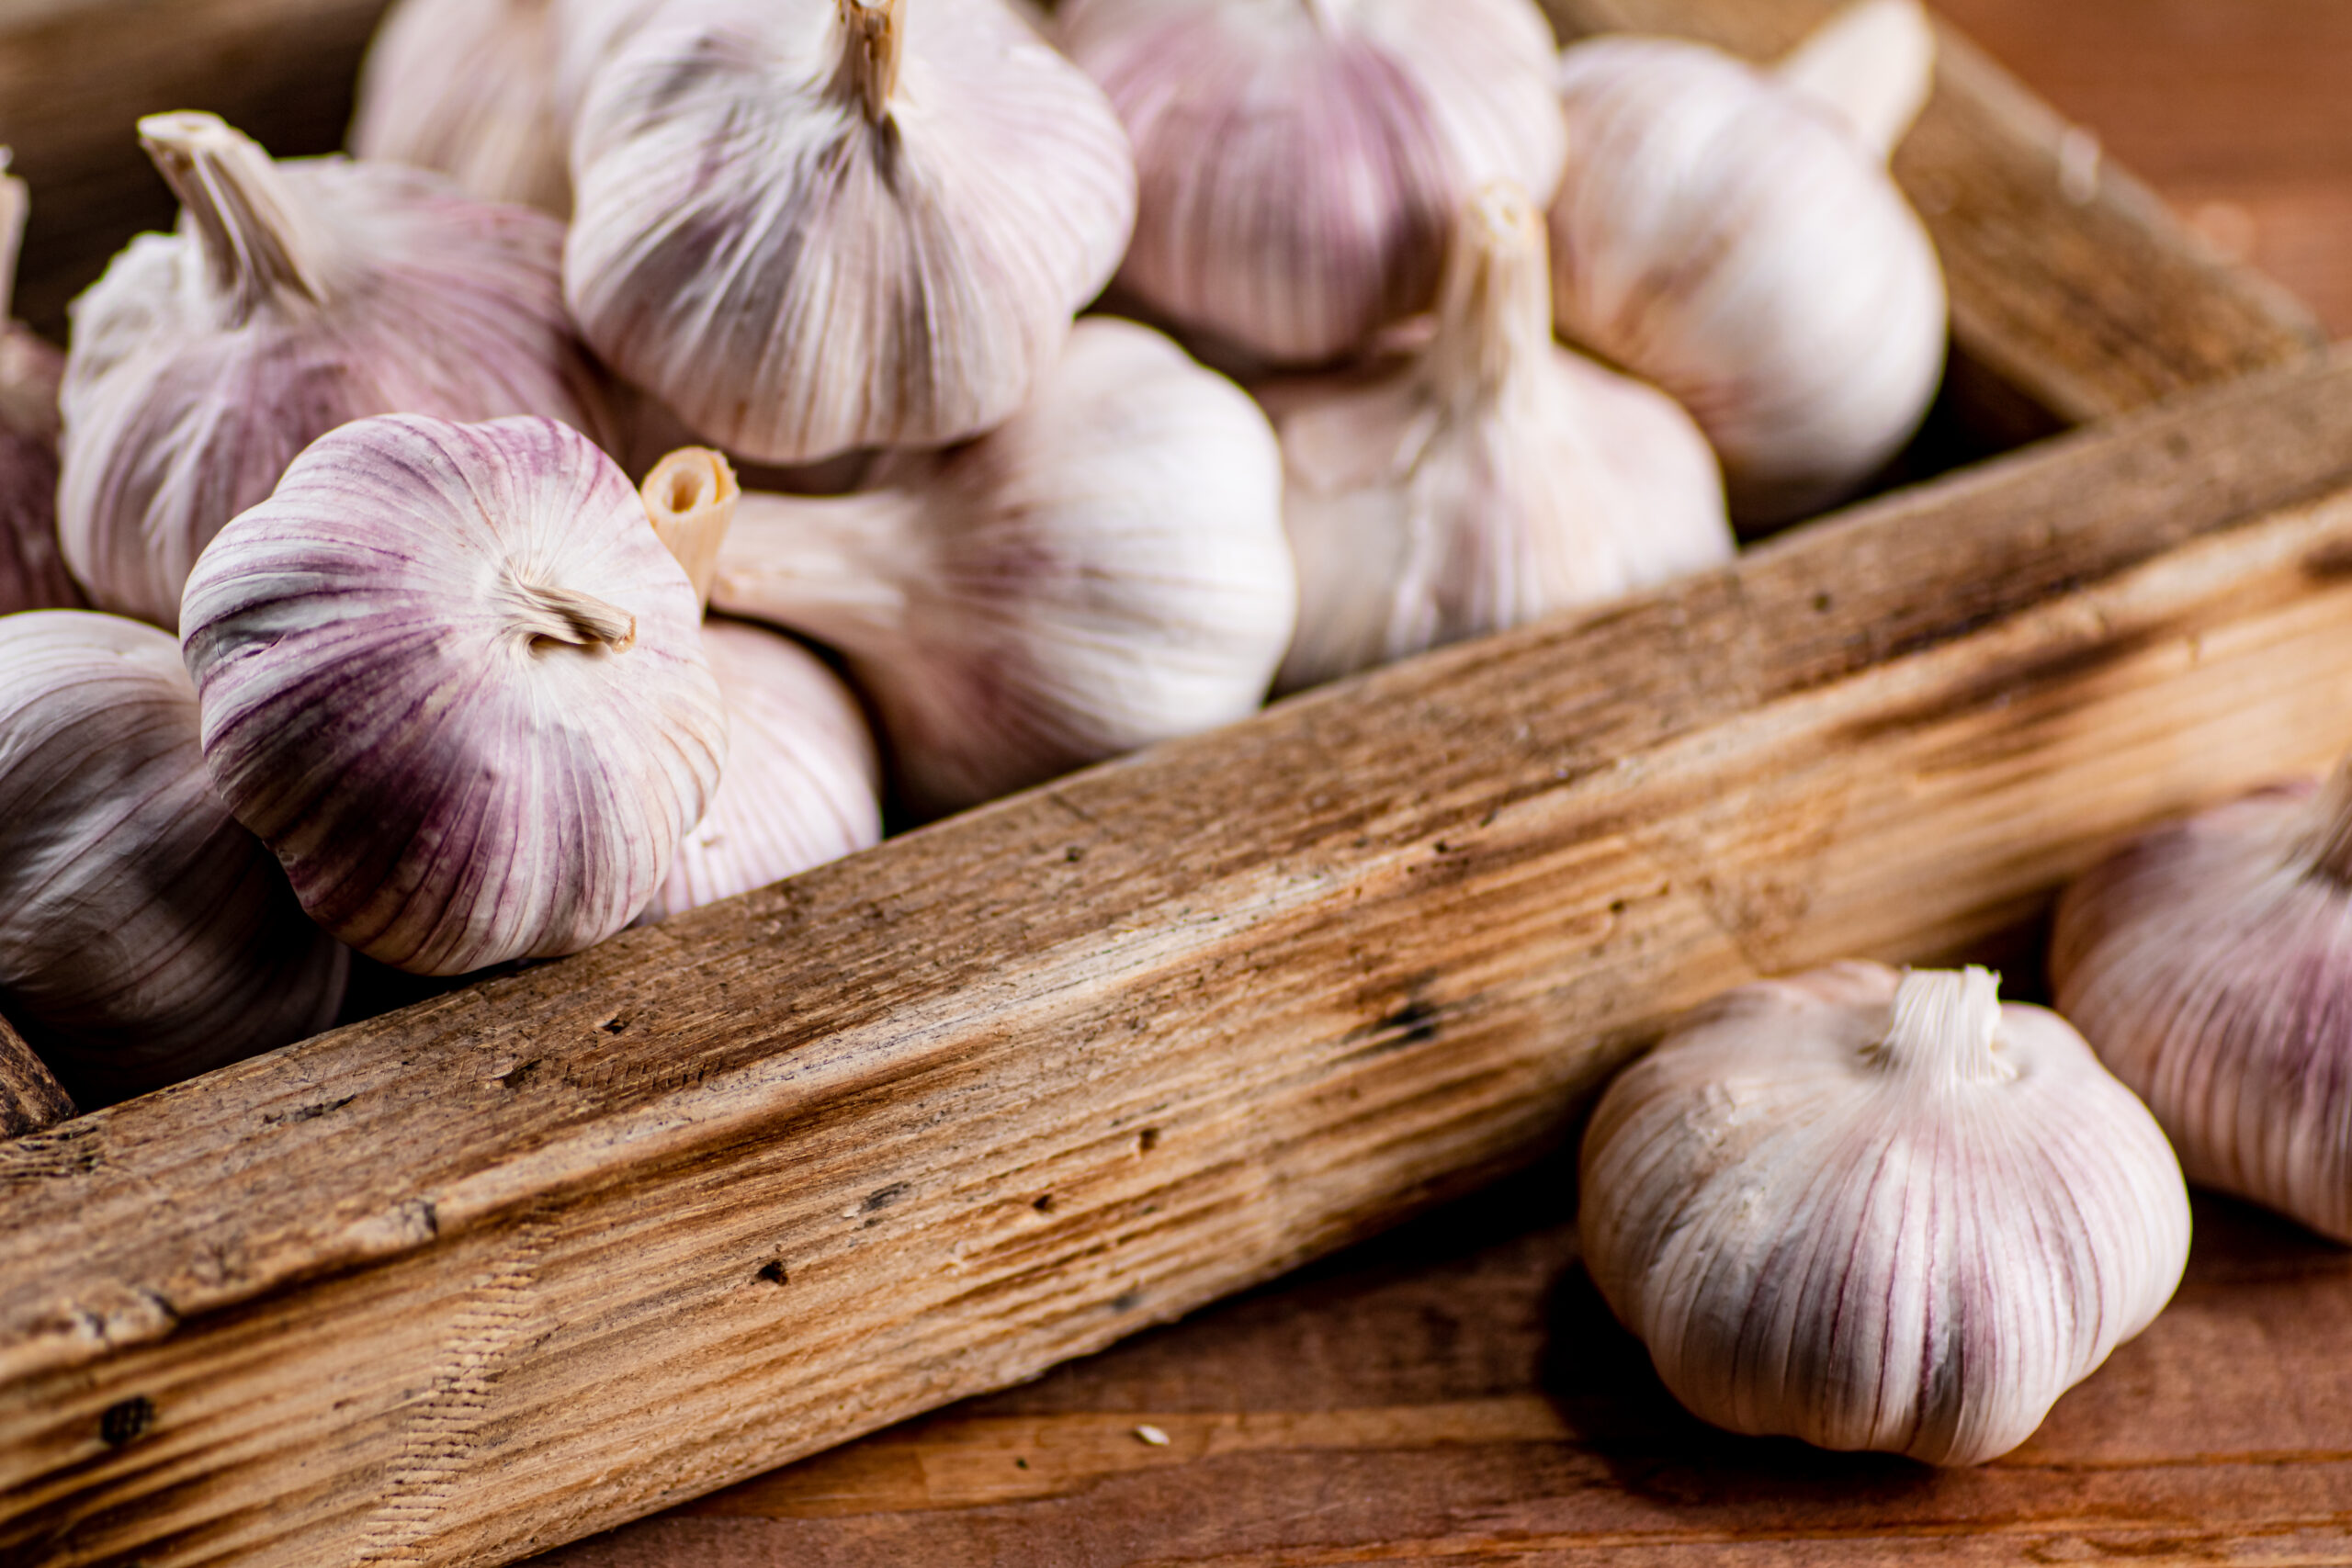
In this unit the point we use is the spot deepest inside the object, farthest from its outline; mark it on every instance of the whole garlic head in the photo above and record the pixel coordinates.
(295, 296)
(144, 936)
(1493, 479)
(448, 673)
(1875, 1210)
(1720, 231)
(32, 570)
(1105, 570)
(467, 87)
(811, 227)
(2210, 966)
(1301, 161)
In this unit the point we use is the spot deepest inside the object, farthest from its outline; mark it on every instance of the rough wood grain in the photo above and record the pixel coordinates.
(618, 1230)
(31, 1096)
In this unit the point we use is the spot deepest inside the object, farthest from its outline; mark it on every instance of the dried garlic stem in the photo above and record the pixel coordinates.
(1495, 304)
(831, 568)
(256, 240)
(1944, 1025)
(1873, 65)
(16, 204)
(2328, 821)
(875, 34)
(568, 616)
(1325, 13)
(691, 496)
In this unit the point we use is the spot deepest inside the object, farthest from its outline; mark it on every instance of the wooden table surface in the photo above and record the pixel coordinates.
(1456, 1393)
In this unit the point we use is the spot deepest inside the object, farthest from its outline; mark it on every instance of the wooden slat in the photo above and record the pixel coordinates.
(31, 1096)
(618, 1230)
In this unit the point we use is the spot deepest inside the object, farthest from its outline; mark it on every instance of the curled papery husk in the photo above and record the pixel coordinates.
(1105, 570)
(1723, 234)
(1493, 479)
(467, 87)
(450, 676)
(1301, 161)
(144, 936)
(2209, 964)
(1879, 1212)
(295, 296)
(32, 570)
(818, 226)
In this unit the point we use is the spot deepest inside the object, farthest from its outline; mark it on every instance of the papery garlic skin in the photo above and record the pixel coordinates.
(1492, 479)
(1733, 241)
(2210, 963)
(1105, 570)
(144, 936)
(1874, 1211)
(467, 87)
(32, 567)
(838, 223)
(295, 296)
(451, 677)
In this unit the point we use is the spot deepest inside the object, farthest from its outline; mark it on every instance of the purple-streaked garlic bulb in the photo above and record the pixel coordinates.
(467, 87)
(144, 936)
(1879, 1210)
(450, 676)
(295, 296)
(839, 224)
(1492, 478)
(1105, 570)
(1301, 161)
(1732, 234)
(32, 570)
(2209, 964)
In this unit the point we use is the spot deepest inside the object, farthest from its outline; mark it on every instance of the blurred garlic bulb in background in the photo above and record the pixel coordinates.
(294, 297)
(2209, 964)
(1301, 161)
(448, 673)
(818, 226)
(1724, 233)
(32, 570)
(1105, 570)
(467, 87)
(1875, 1210)
(144, 936)
(1493, 479)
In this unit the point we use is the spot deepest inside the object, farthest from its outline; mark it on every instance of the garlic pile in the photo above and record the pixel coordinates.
(1493, 479)
(144, 936)
(450, 675)
(1723, 232)
(1876, 1211)
(1301, 161)
(294, 297)
(2210, 966)
(32, 572)
(1105, 570)
(467, 87)
(814, 227)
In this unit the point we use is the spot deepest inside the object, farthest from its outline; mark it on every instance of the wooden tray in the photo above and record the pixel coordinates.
(554, 1251)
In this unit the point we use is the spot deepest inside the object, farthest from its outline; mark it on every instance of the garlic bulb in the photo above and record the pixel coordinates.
(1493, 479)
(32, 571)
(1723, 234)
(144, 936)
(1105, 570)
(1302, 161)
(816, 226)
(2210, 966)
(295, 296)
(467, 87)
(1879, 1212)
(451, 677)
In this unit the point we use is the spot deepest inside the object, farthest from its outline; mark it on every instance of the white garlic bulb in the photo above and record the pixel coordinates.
(32, 570)
(1301, 161)
(1493, 479)
(467, 87)
(836, 223)
(2210, 966)
(144, 936)
(1879, 1212)
(1721, 233)
(1105, 570)
(450, 675)
(294, 297)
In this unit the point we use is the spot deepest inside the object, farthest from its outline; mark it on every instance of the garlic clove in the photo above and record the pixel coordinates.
(32, 567)
(1873, 65)
(1875, 1210)
(818, 227)
(2210, 964)
(1719, 236)
(448, 673)
(144, 936)
(1492, 479)
(467, 87)
(1301, 161)
(296, 296)
(1104, 570)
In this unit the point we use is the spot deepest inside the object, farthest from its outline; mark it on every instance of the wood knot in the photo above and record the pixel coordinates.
(126, 1420)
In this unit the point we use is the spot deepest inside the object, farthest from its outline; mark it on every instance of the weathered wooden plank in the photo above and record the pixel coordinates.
(31, 1096)
(618, 1230)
